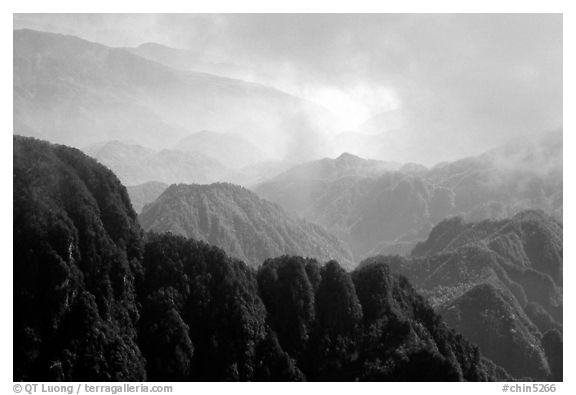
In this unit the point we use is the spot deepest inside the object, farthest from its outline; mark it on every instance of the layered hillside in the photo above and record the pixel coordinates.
(529, 240)
(376, 210)
(242, 224)
(364, 210)
(497, 282)
(96, 301)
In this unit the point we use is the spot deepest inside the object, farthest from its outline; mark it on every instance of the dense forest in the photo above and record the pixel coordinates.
(97, 299)
(497, 282)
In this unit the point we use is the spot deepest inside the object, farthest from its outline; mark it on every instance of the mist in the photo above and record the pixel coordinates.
(401, 87)
(288, 197)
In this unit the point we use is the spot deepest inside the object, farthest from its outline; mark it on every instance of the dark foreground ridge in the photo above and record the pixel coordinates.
(95, 300)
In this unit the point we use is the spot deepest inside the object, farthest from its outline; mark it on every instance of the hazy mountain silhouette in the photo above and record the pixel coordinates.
(346, 165)
(135, 164)
(189, 60)
(63, 84)
(377, 211)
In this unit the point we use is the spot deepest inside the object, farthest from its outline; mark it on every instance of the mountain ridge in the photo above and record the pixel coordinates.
(498, 282)
(111, 93)
(240, 222)
(97, 300)
(388, 208)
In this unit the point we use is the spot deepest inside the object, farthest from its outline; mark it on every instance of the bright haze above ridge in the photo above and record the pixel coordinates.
(406, 88)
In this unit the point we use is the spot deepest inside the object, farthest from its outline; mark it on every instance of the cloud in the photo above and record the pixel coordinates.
(464, 82)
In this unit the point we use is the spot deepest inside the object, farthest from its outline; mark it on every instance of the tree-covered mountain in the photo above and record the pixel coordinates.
(381, 211)
(77, 255)
(64, 84)
(293, 319)
(497, 282)
(364, 211)
(95, 300)
(367, 325)
(242, 224)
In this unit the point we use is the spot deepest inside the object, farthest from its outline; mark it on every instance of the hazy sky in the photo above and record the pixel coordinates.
(463, 83)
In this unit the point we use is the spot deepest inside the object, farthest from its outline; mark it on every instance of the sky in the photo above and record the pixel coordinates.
(440, 85)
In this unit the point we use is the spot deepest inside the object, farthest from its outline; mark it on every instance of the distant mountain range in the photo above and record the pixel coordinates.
(189, 60)
(379, 208)
(203, 157)
(95, 300)
(145, 256)
(135, 164)
(69, 90)
(147, 172)
(242, 224)
(497, 282)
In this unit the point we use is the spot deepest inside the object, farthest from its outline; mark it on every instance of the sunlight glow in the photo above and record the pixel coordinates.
(354, 106)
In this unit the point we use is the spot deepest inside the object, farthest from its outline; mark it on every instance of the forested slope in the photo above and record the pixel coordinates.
(96, 300)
